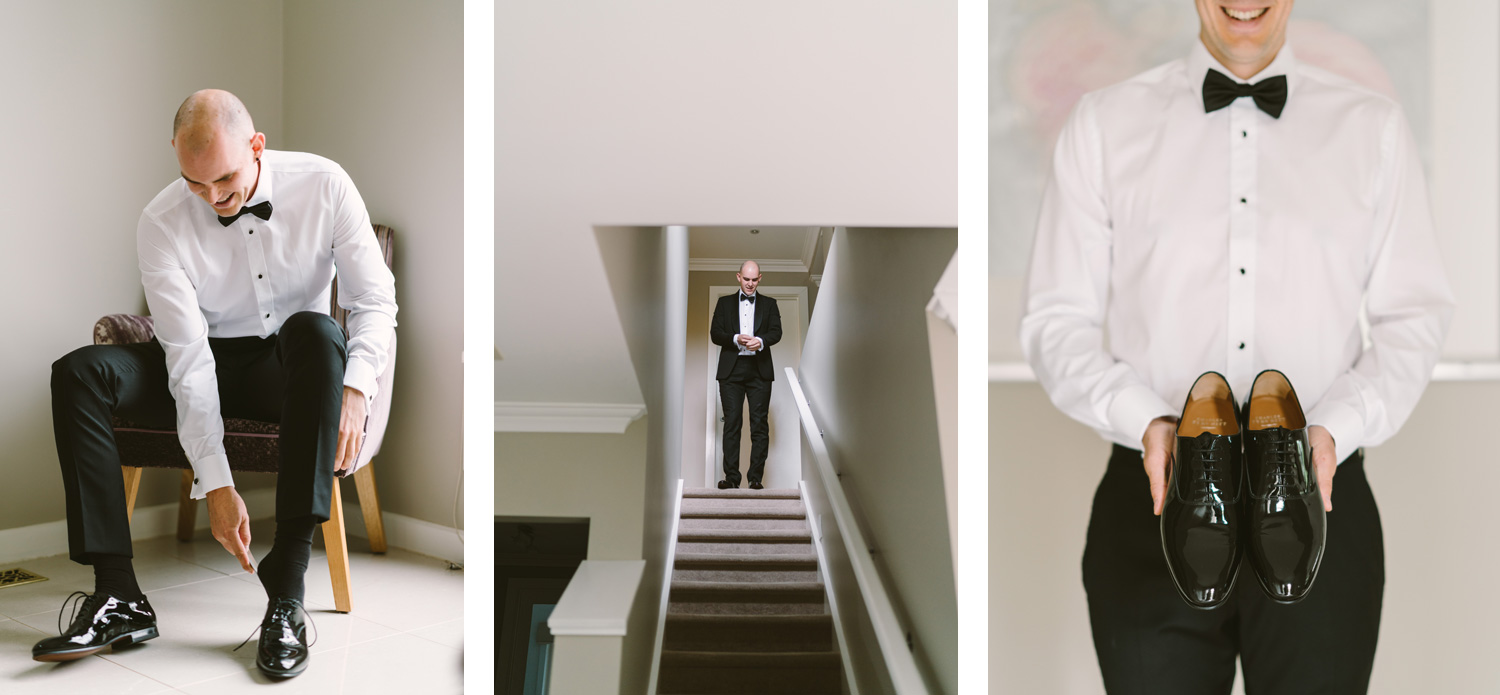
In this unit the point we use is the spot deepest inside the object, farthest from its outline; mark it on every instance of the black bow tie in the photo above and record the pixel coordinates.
(747, 297)
(1220, 91)
(262, 211)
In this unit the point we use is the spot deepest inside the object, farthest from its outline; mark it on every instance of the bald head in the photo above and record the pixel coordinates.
(207, 116)
(749, 276)
(218, 149)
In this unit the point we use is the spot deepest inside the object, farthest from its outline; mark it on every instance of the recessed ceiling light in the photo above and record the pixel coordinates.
(755, 231)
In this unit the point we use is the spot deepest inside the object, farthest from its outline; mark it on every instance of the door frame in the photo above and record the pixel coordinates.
(796, 293)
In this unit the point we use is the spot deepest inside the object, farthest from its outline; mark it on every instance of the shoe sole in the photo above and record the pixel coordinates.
(281, 675)
(124, 640)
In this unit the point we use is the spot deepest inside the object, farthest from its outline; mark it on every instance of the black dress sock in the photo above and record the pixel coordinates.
(115, 575)
(283, 569)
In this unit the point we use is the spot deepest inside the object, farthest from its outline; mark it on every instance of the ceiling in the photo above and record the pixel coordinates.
(776, 249)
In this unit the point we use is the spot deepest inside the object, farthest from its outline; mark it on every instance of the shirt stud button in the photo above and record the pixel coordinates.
(269, 316)
(261, 276)
(195, 480)
(1242, 271)
(1244, 133)
(1242, 346)
(252, 231)
(1242, 200)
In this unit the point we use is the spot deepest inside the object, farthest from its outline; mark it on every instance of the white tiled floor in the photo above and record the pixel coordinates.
(405, 633)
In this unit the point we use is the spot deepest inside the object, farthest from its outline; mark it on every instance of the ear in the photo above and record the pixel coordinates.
(258, 144)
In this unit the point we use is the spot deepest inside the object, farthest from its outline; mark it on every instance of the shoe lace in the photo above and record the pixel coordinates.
(1283, 454)
(1209, 456)
(281, 612)
(83, 603)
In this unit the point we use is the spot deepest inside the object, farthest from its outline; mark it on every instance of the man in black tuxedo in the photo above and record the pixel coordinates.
(745, 326)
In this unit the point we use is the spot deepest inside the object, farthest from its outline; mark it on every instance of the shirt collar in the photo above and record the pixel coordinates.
(263, 186)
(1200, 61)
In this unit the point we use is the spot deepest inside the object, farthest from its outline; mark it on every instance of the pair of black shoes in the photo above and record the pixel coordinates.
(1242, 482)
(102, 621)
(754, 485)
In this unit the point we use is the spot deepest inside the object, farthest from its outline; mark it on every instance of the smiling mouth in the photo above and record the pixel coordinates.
(224, 202)
(1244, 15)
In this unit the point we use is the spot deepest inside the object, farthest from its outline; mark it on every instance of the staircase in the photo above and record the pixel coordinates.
(747, 612)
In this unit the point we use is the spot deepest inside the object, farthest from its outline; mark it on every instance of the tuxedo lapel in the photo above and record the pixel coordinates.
(760, 310)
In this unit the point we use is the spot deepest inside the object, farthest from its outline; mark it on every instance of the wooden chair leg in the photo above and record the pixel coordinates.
(187, 508)
(369, 504)
(132, 486)
(338, 552)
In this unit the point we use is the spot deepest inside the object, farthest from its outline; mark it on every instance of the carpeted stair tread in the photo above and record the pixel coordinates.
(743, 509)
(776, 561)
(745, 535)
(735, 592)
(752, 548)
(742, 493)
(744, 575)
(757, 633)
(715, 607)
(691, 526)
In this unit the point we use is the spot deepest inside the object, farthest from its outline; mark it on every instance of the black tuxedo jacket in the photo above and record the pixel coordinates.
(726, 324)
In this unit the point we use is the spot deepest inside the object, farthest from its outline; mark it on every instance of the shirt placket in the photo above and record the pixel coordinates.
(747, 320)
(254, 235)
(1244, 200)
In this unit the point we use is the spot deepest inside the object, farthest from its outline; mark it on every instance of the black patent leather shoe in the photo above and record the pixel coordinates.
(1200, 517)
(757, 486)
(282, 651)
(1286, 524)
(101, 622)
(724, 485)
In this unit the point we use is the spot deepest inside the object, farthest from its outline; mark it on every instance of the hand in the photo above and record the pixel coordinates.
(230, 523)
(1325, 461)
(1157, 443)
(351, 430)
(742, 339)
(754, 344)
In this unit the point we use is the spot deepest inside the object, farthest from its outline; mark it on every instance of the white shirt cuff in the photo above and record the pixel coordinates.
(1343, 422)
(1133, 409)
(210, 473)
(359, 375)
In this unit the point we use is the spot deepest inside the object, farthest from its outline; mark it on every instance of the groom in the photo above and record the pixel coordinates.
(237, 258)
(745, 326)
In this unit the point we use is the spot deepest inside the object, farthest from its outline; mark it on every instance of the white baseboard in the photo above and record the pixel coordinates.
(401, 531)
(833, 602)
(666, 591)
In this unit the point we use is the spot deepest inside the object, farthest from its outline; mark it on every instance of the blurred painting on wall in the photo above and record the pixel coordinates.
(1045, 54)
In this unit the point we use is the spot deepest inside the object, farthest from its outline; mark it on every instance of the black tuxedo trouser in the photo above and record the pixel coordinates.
(295, 378)
(745, 382)
(1149, 641)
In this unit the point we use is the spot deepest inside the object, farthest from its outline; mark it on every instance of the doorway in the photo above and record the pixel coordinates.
(784, 462)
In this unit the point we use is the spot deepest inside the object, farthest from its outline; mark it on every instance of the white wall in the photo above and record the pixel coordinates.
(1436, 633)
(790, 112)
(607, 474)
(377, 86)
(701, 353)
(90, 88)
(867, 373)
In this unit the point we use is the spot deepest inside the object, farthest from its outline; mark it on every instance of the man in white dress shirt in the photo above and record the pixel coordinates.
(236, 258)
(745, 325)
(1230, 211)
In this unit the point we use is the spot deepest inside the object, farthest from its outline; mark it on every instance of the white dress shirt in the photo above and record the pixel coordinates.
(747, 321)
(204, 280)
(1233, 241)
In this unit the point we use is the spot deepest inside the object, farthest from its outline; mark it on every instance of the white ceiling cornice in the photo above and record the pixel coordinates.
(775, 265)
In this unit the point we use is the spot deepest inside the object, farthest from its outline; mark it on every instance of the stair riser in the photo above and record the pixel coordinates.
(689, 526)
(746, 636)
(744, 507)
(728, 680)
